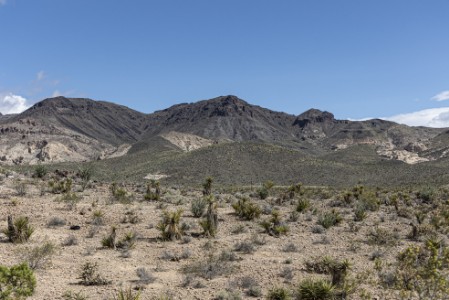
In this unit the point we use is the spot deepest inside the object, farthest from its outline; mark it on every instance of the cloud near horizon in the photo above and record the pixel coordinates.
(12, 104)
(432, 117)
(444, 95)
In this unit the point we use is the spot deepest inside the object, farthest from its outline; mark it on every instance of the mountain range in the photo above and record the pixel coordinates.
(225, 137)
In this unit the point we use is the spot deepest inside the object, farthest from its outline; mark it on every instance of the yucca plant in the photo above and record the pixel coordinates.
(109, 241)
(315, 289)
(18, 231)
(169, 225)
(207, 186)
(302, 205)
(274, 226)
(279, 293)
(153, 191)
(127, 294)
(293, 189)
(128, 241)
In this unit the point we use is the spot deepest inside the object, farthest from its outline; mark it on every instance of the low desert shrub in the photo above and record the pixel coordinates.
(246, 209)
(127, 294)
(246, 247)
(274, 226)
(56, 222)
(98, 218)
(208, 268)
(302, 205)
(382, 237)
(16, 282)
(228, 295)
(145, 277)
(279, 293)
(90, 275)
(169, 225)
(60, 187)
(71, 240)
(119, 194)
(423, 270)
(40, 171)
(69, 199)
(40, 256)
(198, 206)
(315, 289)
(329, 219)
(71, 295)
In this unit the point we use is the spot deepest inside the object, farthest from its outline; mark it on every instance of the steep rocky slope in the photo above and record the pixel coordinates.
(68, 129)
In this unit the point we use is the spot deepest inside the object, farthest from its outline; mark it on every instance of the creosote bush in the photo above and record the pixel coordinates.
(198, 206)
(119, 194)
(91, 276)
(40, 256)
(422, 270)
(274, 225)
(329, 219)
(60, 187)
(279, 293)
(16, 282)
(40, 171)
(246, 209)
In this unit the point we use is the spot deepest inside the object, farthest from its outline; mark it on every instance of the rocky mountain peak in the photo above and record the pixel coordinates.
(313, 116)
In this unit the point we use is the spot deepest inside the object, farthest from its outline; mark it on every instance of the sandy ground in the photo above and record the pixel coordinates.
(264, 265)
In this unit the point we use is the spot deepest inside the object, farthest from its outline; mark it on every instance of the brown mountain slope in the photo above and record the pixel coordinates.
(62, 129)
(222, 118)
(103, 121)
(68, 129)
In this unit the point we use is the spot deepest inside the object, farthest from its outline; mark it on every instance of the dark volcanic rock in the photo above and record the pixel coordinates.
(104, 121)
(226, 117)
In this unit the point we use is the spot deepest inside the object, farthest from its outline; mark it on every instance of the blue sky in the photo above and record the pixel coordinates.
(356, 59)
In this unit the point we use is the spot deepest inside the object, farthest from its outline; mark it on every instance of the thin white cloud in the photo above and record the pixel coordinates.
(433, 117)
(40, 75)
(2, 2)
(56, 94)
(12, 104)
(444, 95)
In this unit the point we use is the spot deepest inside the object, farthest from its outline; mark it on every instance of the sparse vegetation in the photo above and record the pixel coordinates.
(39, 257)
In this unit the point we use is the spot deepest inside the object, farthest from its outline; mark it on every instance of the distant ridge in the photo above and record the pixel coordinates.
(215, 134)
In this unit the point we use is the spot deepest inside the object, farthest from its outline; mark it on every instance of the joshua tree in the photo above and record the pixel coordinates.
(207, 186)
(210, 222)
